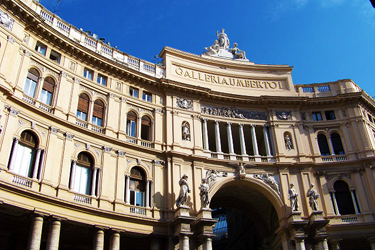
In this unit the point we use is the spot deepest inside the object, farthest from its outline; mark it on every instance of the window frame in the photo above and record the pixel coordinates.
(56, 54)
(317, 116)
(146, 96)
(134, 92)
(88, 74)
(102, 80)
(41, 48)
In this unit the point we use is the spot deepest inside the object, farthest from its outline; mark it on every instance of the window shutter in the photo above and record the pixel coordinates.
(132, 116)
(49, 85)
(83, 103)
(146, 121)
(98, 109)
(33, 75)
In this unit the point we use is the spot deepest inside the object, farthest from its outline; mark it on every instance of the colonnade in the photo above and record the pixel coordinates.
(35, 236)
(243, 147)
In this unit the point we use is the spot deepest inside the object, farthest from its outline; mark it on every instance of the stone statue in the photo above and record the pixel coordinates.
(223, 39)
(184, 190)
(313, 195)
(237, 53)
(288, 142)
(185, 131)
(270, 180)
(204, 193)
(293, 197)
(213, 49)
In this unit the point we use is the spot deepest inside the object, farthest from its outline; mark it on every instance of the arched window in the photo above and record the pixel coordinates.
(344, 198)
(47, 91)
(137, 187)
(323, 145)
(337, 144)
(131, 124)
(83, 107)
(31, 83)
(146, 128)
(98, 113)
(23, 155)
(82, 174)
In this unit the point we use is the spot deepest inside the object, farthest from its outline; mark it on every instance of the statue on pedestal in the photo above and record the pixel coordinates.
(313, 195)
(204, 193)
(293, 197)
(184, 190)
(223, 39)
(237, 53)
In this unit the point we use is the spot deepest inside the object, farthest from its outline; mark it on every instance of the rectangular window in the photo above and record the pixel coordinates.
(134, 92)
(54, 56)
(87, 73)
(330, 115)
(82, 180)
(46, 97)
(41, 48)
(317, 116)
(81, 115)
(146, 97)
(102, 80)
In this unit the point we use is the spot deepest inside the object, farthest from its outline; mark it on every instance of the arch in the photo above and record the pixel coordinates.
(344, 178)
(78, 150)
(27, 126)
(140, 165)
(259, 186)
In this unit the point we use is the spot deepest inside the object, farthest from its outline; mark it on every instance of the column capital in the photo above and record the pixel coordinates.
(229, 124)
(240, 124)
(217, 121)
(204, 119)
(252, 125)
(74, 161)
(266, 125)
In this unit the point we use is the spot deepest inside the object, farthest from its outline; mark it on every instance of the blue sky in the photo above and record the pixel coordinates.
(325, 40)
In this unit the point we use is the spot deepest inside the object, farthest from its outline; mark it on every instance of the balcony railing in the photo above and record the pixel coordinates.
(37, 103)
(22, 181)
(138, 210)
(333, 158)
(83, 198)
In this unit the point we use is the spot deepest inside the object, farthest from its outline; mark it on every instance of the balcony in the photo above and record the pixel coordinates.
(144, 143)
(334, 158)
(37, 103)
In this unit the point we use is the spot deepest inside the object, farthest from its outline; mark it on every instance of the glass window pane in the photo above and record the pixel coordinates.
(30, 87)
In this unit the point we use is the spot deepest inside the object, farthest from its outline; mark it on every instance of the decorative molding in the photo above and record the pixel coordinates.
(92, 92)
(213, 175)
(44, 69)
(269, 180)
(32, 125)
(43, 132)
(11, 39)
(6, 21)
(87, 145)
(107, 149)
(159, 162)
(97, 152)
(139, 161)
(283, 115)
(184, 103)
(234, 113)
(121, 153)
(12, 111)
(69, 136)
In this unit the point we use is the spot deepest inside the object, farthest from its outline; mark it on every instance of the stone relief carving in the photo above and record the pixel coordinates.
(283, 115)
(234, 113)
(69, 136)
(212, 175)
(204, 188)
(269, 179)
(221, 48)
(184, 103)
(293, 197)
(185, 131)
(184, 190)
(6, 21)
(159, 162)
(11, 110)
(121, 153)
(107, 149)
(313, 195)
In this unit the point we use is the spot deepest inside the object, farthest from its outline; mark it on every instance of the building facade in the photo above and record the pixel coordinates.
(95, 143)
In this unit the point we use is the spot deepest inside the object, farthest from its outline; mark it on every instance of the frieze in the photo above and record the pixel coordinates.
(283, 115)
(6, 21)
(269, 180)
(234, 113)
(184, 103)
(121, 153)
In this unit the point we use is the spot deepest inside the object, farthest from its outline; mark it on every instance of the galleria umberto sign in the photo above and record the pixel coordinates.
(228, 81)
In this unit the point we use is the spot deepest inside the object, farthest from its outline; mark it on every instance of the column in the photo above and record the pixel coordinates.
(54, 235)
(71, 184)
(91, 110)
(266, 140)
(331, 146)
(13, 154)
(205, 135)
(184, 242)
(114, 241)
(230, 138)
(152, 137)
(335, 244)
(208, 244)
(254, 140)
(354, 198)
(36, 164)
(127, 189)
(147, 193)
(99, 239)
(322, 245)
(139, 126)
(242, 140)
(93, 183)
(300, 244)
(155, 245)
(335, 203)
(217, 137)
(35, 235)
(152, 194)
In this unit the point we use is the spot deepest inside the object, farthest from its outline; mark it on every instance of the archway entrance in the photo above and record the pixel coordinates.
(247, 219)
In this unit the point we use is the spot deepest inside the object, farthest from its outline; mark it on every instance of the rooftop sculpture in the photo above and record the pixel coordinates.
(221, 48)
